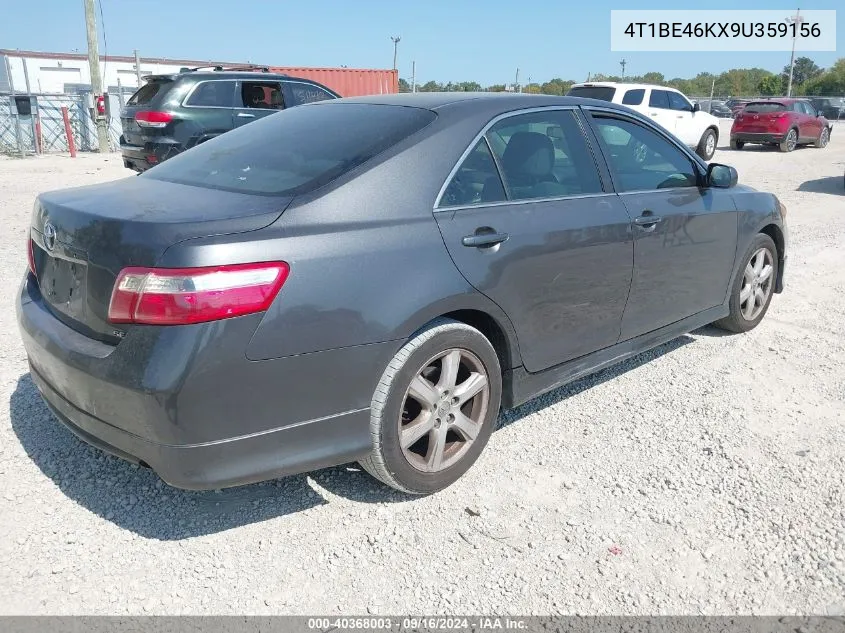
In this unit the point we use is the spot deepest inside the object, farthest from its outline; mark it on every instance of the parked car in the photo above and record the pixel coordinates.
(786, 123)
(716, 108)
(172, 113)
(667, 106)
(372, 279)
(832, 108)
(736, 105)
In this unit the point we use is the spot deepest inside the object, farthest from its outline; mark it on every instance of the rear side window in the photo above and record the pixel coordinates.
(262, 95)
(659, 99)
(476, 181)
(306, 93)
(294, 151)
(633, 97)
(605, 93)
(763, 108)
(145, 93)
(213, 94)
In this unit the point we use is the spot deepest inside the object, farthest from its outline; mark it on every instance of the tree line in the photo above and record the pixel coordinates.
(807, 79)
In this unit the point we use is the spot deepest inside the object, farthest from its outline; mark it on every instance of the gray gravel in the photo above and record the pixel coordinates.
(703, 477)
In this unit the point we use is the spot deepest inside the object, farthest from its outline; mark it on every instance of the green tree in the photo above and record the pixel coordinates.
(831, 82)
(651, 78)
(804, 70)
(404, 86)
(771, 85)
(430, 86)
(556, 86)
(496, 88)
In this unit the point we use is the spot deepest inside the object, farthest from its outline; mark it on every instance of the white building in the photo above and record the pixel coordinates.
(50, 73)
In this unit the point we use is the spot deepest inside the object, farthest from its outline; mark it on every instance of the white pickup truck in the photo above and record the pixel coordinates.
(667, 106)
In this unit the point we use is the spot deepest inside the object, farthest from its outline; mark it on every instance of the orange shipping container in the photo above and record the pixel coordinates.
(349, 82)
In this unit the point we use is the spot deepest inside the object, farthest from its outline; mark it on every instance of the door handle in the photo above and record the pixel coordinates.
(647, 220)
(484, 240)
(244, 115)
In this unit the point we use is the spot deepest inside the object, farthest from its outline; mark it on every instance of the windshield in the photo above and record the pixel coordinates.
(763, 108)
(294, 151)
(605, 93)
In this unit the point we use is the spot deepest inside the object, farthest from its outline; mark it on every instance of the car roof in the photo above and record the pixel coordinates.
(226, 74)
(617, 84)
(452, 100)
(781, 100)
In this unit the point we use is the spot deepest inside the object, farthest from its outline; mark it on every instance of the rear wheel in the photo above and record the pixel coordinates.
(824, 138)
(707, 145)
(753, 287)
(735, 144)
(790, 141)
(434, 408)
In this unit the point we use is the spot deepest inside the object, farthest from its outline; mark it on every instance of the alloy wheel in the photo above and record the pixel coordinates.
(757, 284)
(710, 146)
(825, 137)
(791, 140)
(443, 410)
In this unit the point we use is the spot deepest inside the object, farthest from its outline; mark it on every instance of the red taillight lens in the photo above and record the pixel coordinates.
(153, 119)
(29, 254)
(178, 296)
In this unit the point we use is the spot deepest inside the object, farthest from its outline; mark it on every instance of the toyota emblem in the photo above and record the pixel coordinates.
(49, 236)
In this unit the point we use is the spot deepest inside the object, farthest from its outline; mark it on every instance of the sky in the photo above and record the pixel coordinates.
(457, 40)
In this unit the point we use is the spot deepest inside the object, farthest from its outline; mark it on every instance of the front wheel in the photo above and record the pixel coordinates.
(707, 145)
(790, 141)
(434, 408)
(824, 138)
(753, 287)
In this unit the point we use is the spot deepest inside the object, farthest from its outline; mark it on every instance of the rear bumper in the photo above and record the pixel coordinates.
(234, 461)
(187, 402)
(757, 137)
(151, 154)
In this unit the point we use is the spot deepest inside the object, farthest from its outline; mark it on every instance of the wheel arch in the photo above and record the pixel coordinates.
(776, 233)
(505, 346)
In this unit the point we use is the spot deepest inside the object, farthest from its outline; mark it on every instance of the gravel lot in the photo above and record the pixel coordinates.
(707, 476)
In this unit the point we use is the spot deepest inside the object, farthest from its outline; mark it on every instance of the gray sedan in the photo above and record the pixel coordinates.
(373, 279)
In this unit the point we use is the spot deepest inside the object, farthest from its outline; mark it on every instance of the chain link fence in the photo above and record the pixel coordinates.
(44, 130)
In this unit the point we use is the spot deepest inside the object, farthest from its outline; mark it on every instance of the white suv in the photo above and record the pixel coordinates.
(668, 107)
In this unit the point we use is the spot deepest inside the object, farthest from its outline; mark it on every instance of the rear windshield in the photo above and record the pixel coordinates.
(605, 93)
(763, 108)
(145, 93)
(294, 151)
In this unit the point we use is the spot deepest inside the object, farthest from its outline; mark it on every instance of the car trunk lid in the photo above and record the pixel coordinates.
(82, 238)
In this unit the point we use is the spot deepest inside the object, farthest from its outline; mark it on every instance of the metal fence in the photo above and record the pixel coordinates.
(18, 133)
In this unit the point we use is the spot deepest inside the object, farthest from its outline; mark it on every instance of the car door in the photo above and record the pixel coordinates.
(208, 111)
(810, 122)
(659, 110)
(684, 234)
(686, 127)
(530, 222)
(257, 99)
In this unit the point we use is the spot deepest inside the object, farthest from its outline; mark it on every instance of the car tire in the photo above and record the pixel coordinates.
(417, 388)
(707, 145)
(790, 141)
(737, 145)
(744, 316)
(824, 138)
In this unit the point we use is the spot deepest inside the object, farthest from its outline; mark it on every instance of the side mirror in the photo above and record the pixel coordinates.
(696, 107)
(721, 176)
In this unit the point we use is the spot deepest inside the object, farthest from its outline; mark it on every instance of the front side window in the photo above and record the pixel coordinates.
(307, 93)
(262, 95)
(633, 97)
(641, 159)
(476, 181)
(659, 99)
(677, 102)
(544, 155)
(216, 94)
(295, 151)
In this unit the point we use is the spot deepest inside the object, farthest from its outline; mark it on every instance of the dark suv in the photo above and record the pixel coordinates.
(172, 113)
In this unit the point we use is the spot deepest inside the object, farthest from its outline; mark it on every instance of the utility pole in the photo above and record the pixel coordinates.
(138, 67)
(623, 63)
(413, 76)
(516, 82)
(796, 20)
(395, 47)
(96, 79)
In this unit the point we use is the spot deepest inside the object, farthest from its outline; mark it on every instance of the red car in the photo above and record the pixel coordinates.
(786, 123)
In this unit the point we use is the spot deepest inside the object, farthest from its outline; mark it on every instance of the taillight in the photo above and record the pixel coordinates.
(153, 119)
(29, 254)
(178, 296)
